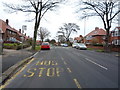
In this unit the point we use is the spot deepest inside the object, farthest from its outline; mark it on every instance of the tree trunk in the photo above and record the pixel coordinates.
(34, 39)
(107, 40)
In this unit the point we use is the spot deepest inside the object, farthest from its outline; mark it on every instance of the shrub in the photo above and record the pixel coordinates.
(97, 44)
(14, 46)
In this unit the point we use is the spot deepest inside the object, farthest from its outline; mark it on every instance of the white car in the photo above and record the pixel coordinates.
(81, 46)
(64, 45)
(74, 45)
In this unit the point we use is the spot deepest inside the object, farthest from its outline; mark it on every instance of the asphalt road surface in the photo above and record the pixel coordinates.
(66, 67)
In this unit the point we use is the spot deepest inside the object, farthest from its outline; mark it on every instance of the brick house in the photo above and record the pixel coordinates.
(79, 39)
(115, 36)
(10, 34)
(96, 36)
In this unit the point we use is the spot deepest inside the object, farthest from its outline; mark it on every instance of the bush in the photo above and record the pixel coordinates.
(14, 46)
(97, 44)
(37, 48)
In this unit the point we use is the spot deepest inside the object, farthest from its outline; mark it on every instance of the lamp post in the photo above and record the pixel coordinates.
(84, 25)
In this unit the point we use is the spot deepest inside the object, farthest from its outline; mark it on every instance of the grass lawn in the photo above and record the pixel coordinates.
(37, 48)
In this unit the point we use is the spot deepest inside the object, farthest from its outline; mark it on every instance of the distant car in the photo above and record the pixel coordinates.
(74, 45)
(81, 46)
(45, 45)
(64, 45)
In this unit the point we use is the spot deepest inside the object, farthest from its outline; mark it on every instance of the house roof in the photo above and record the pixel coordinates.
(78, 38)
(118, 28)
(97, 31)
(4, 26)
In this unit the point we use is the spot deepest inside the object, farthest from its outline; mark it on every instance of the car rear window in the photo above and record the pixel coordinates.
(45, 43)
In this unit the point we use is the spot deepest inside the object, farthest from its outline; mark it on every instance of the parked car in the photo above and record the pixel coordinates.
(74, 45)
(81, 46)
(45, 45)
(64, 45)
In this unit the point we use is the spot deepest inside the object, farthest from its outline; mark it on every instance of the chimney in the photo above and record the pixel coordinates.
(7, 21)
(80, 36)
(19, 30)
(96, 28)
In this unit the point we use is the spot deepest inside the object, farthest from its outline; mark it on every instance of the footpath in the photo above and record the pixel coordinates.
(12, 60)
(11, 57)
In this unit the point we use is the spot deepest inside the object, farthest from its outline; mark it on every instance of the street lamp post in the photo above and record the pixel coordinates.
(84, 25)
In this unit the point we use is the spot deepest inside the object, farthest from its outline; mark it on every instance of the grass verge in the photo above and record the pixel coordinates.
(37, 48)
(99, 50)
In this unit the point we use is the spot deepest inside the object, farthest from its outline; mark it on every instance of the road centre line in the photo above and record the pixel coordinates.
(62, 58)
(96, 64)
(65, 63)
(69, 70)
(77, 83)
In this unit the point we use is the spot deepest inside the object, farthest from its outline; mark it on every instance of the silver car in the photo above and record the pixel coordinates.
(74, 45)
(81, 46)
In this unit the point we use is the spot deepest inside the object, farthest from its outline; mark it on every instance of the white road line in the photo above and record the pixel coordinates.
(62, 58)
(77, 83)
(96, 64)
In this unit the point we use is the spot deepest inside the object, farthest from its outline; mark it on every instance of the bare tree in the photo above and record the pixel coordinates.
(107, 10)
(38, 7)
(68, 29)
(43, 33)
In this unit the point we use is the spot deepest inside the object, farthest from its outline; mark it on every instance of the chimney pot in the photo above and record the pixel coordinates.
(19, 30)
(7, 21)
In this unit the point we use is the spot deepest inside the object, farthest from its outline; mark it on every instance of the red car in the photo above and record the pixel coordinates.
(45, 45)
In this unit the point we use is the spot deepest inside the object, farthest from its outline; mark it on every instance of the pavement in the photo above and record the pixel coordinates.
(11, 57)
(66, 67)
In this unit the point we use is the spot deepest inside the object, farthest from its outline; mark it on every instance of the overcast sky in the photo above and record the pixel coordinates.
(52, 20)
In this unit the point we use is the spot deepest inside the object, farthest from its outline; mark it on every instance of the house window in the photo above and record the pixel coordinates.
(88, 37)
(116, 42)
(112, 33)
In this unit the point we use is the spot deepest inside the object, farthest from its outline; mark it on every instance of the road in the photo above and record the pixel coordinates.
(66, 67)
